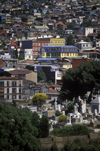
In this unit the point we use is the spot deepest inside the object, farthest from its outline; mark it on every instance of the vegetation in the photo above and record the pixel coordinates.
(21, 58)
(70, 26)
(62, 118)
(57, 113)
(80, 80)
(70, 40)
(70, 107)
(73, 130)
(16, 129)
(41, 75)
(80, 145)
(38, 99)
(15, 54)
(20, 128)
(44, 126)
(54, 147)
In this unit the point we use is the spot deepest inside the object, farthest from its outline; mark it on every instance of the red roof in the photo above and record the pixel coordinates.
(3, 32)
(53, 91)
(13, 43)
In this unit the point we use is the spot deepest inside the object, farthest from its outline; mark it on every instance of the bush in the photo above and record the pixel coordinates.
(67, 146)
(54, 147)
(62, 118)
(57, 113)
(72, 130)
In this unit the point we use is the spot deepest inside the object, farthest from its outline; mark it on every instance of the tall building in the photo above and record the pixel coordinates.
(36, 45)
(10, 88)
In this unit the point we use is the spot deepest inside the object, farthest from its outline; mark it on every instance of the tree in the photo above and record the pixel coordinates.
(62, 118)
(87, 39)
(16, 130)
(70, 107)
(54, 147)
(41, 75)
(70, 40)
(39, 98)
(44, 127)
(35, 119)
(67, 146)
(15, 54)
(98, 34)
(60, 32)
(80, 80)
(57, 113)
(21, 58)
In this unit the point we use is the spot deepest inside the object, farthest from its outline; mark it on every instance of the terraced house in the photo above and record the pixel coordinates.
(10, 88)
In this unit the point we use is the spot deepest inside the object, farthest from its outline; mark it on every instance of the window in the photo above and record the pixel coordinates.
(1, 96)
(1, 90)
(13, 90)
(1, 83)
(13, 83)
(13, 96)
(19, 90)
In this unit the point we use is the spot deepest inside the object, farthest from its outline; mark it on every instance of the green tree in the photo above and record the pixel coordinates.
(41, 75)
(60, 32)
(70, 107)
(35, 119)
(70, 26)
(54, 147)
(70, 40)
(39, 98)
(15, 54)
(21, 58)
(98, 34)
(80, 80)
(62, 118)
(87, 39)
(57, 113)
(67, 146)
(16, 130)
(44, 127)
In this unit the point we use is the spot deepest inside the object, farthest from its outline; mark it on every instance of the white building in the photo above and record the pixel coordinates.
(88, 30)
(85, 46)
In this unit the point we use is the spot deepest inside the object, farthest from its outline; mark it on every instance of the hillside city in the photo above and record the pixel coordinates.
(49, 75)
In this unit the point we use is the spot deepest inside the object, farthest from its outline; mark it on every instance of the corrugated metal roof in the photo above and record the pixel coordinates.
(41, 27)
(67, 46)
(50, 59)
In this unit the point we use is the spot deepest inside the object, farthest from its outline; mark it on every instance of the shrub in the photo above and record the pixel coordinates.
(57, 113)
(72, 130)
(62, 118)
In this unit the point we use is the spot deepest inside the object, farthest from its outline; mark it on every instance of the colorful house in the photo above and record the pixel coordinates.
(58, 51)
(57, 41)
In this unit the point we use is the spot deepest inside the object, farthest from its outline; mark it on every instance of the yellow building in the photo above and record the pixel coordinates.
(8, 19)
(57, 41)
(58, 51)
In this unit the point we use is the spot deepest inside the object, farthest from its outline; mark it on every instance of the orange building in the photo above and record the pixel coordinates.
(76, 62)
(36, 45)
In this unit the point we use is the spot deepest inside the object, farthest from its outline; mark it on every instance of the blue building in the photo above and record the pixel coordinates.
(58, 51)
